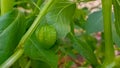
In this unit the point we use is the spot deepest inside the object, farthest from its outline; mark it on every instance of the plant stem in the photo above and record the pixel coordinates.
(6, 6)
(109, 49)
(39, 2)
(14, 57)
(28, 64)
(20, 49)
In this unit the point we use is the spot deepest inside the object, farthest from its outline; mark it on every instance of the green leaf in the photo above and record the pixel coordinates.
(116, 37)
(34, 50)
(93, 26)
(60, 17)
(94, 22)
(116, 25)
(85, 50)
(116, 5)
(23, 61)
(80, 17)
(39, 64)
(11, 29)
(89, 40)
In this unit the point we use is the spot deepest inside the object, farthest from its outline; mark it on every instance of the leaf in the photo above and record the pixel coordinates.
(116, 25)
(60, 17)
(89, 40)
(84, 49)
(11, 29)
(116, 37)
(92, 27)
(34, 50)
(80, 17)
(38, 64)
(116, 6)
(94, 22)
(23, 61)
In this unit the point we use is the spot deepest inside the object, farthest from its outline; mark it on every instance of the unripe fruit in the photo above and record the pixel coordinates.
(46, 36)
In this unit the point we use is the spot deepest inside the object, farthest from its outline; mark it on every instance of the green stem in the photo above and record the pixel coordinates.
(109, 49)
(14, 57)
(28, 64)
(36, 10)
(20, 49)
(6, 6)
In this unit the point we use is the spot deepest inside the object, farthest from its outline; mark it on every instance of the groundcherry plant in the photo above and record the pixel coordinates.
(59, 34)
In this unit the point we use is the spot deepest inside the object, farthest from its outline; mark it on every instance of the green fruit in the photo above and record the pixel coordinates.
(46, 36)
